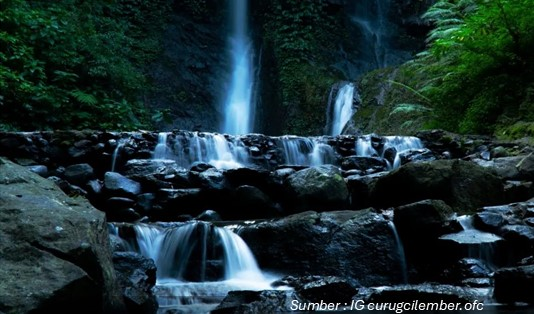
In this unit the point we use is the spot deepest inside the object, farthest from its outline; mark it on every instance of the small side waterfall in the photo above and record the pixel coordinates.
(116, 153)
(239, 109)
(370, 146)
(197, 263)
(304, 151)
(400, 252)
(342, 109)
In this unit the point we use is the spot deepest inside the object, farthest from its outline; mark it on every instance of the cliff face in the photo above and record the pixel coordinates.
(301, 48)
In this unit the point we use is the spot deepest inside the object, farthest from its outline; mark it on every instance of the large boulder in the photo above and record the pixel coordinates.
(79, 174)
(55, 249)
(317, 188)
(118, 185)
(353, 244)
(463, 185)
(514, 284)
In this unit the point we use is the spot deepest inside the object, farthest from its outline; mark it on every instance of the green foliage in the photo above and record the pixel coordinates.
(76, 64)
(299, 32)
(478, 65)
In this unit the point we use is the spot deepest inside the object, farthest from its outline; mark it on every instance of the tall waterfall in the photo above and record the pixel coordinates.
(239, 108)
(372, 19)
(342, 109)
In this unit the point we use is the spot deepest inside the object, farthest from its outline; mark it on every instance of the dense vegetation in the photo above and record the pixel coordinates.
(478, 72)
(301, 33)
(74, 64)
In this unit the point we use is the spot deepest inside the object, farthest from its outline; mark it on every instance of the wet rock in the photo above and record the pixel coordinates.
(426, 293)
(209, 215)
(504, 167)
(373, 164)
(463, 185)
(250, 203)
(360, 189)
(353, 244)
(145, 202)
(136, 275)
(518, 191)
(526, 167)
(200, 166)
(267, 301)
(514, 284)
(179, 201)
(325, 288)
(490, 222)
(424, 219)
(316, 188)
(118, 185)
(41, 170)
(67, 188)
(79, 174)
(55, 250)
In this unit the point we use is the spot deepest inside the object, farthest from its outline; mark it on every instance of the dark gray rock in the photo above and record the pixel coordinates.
(352, 244)
(328, 289)
(136, 275)
(317, 188)
(267, 301)
(374, 164)
(55, 249)
(209, 215)
(426, 293)
(526, 167)
(41, 170)
(360, 189)
(79, 174)
(514, 284)
(116, 184)
(463, 185)
(425, 219)
(251, 203)
(487, 221)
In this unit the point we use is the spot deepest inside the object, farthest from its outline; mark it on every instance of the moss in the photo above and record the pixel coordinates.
(518, 130)
(391, 103)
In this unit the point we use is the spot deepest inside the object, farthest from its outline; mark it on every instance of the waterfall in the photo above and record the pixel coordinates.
(368, 146)
(371, 17)
(197, 263)
(162, 150)
(342, 111)
(480, 245)
(238, 110)
(192, 147)
(400, 252)
(116, 153)
(303, 151)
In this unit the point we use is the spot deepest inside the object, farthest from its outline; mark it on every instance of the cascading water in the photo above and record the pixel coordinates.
(400, 251)
(366, 147)
(305, 151)
(239, 107)
(116, 153)
(480, 245)
(371, 17)
(162, 150)
(214, 149)
(197, 263)
(342, 109)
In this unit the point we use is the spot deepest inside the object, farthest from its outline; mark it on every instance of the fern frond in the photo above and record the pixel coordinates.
(83, 97)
